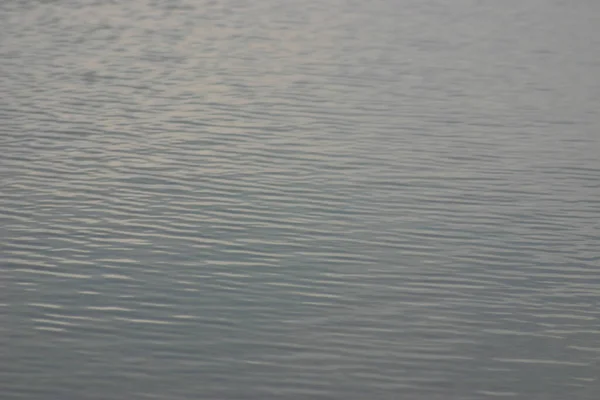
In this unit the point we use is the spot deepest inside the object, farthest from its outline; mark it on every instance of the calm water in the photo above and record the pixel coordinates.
(391, 199)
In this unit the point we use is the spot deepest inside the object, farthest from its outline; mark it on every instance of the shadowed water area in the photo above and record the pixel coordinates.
(332, 199)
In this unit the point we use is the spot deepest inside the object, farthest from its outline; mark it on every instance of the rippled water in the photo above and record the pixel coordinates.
(396, 199)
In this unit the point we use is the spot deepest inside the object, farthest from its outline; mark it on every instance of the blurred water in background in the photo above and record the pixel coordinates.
(390, 199)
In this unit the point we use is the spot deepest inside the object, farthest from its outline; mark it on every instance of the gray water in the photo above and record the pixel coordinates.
(390, 199)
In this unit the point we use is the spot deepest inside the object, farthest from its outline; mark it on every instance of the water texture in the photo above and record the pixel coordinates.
(389, 199)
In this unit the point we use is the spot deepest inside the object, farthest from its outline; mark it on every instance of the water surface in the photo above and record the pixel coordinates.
(394, 199)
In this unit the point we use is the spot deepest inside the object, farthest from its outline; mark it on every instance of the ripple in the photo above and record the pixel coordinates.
(328, 200)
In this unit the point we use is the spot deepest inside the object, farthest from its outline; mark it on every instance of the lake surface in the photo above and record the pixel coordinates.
(390, 199)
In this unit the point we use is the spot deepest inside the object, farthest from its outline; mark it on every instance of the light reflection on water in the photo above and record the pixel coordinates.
(337, 200)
